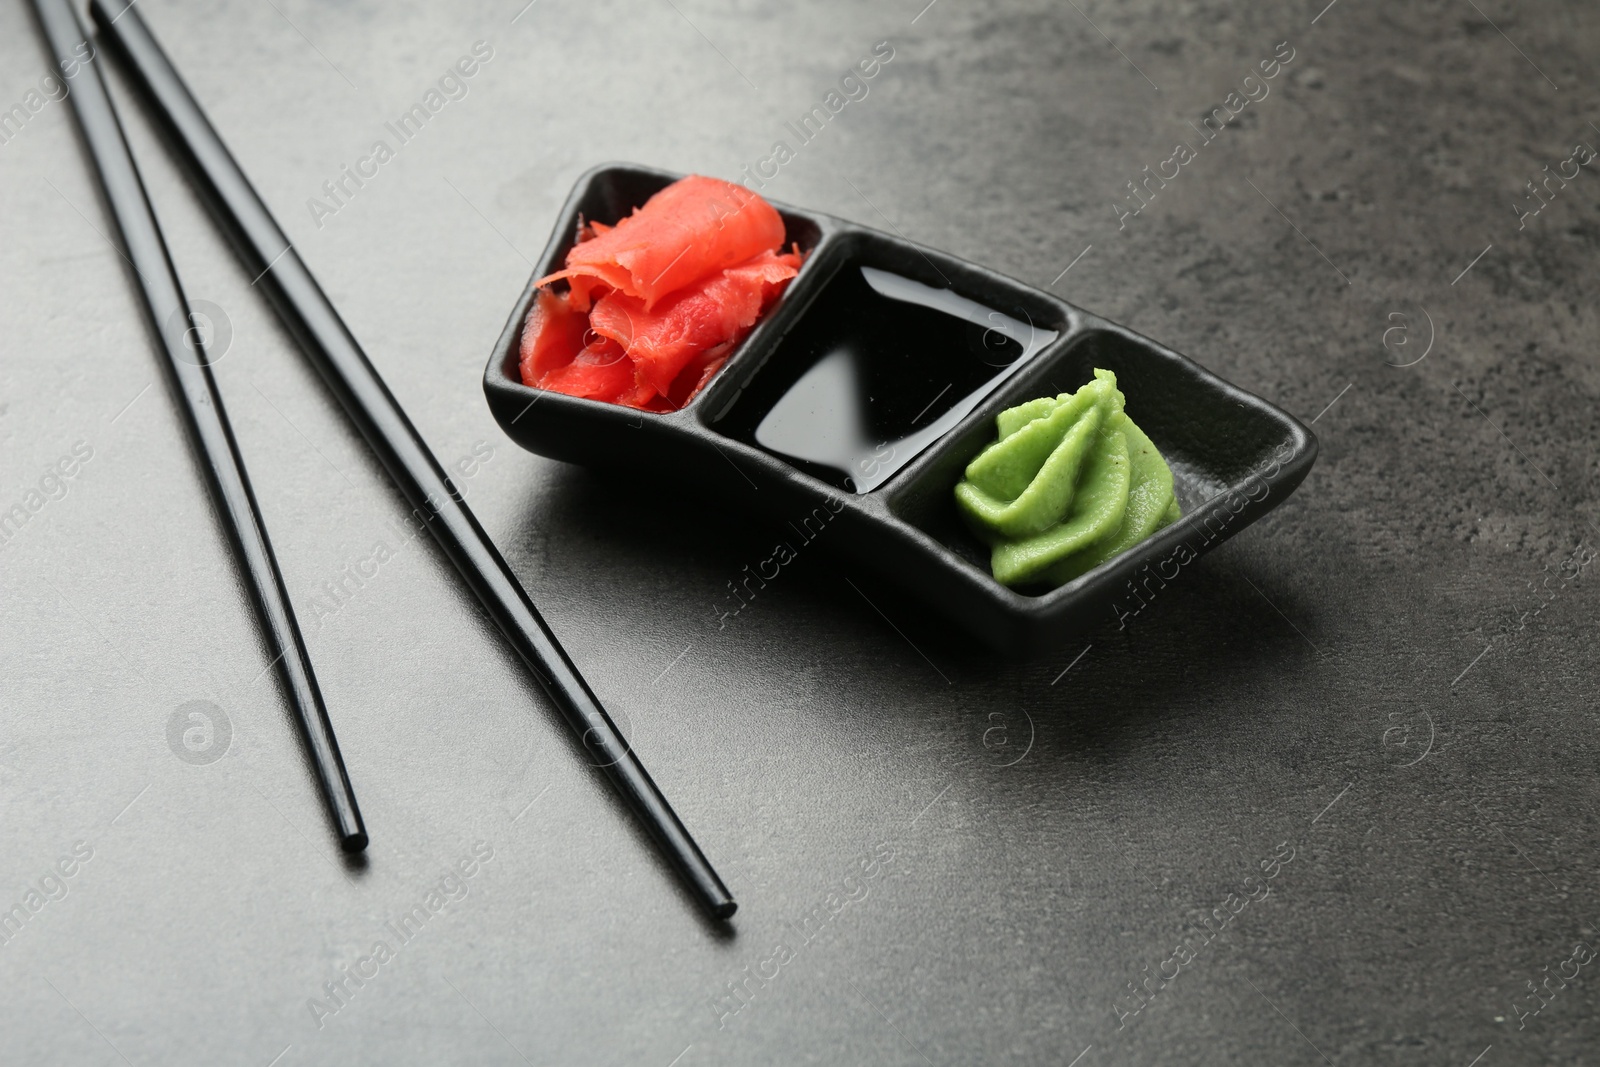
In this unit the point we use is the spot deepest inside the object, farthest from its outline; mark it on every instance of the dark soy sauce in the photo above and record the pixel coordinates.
(877, 369)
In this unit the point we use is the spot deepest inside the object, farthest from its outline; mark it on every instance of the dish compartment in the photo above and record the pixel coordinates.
(1211, 438)
(887, 351)
(579, 430)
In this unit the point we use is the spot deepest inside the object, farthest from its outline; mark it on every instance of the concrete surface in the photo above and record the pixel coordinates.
(1360, 733)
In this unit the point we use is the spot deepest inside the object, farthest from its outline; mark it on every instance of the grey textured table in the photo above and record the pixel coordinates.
(1331, 797)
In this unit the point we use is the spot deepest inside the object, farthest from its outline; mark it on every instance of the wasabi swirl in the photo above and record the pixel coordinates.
(1071, 483)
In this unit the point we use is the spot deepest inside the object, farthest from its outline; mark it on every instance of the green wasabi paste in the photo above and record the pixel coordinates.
(1070, 483)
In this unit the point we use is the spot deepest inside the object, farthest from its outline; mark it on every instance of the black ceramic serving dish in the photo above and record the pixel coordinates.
(839, 451)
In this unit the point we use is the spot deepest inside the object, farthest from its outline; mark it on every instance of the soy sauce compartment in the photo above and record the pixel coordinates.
(1208, 448)
(891, 352)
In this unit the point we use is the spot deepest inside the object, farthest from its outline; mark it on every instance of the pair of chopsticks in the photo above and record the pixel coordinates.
(329, 345)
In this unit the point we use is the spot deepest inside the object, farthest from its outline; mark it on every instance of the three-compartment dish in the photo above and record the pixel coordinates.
(863, 392)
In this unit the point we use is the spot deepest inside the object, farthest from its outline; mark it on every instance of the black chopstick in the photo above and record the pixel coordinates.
(329, 345)
(187, 361)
